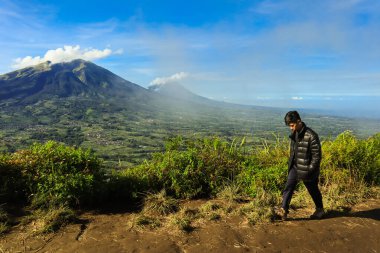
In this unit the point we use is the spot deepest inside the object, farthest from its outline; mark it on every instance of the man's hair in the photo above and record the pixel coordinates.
(291, 117)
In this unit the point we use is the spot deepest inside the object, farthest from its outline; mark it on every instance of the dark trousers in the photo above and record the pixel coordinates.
(311, 186)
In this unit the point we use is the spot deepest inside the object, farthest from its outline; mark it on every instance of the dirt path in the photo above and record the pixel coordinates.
(357, 231)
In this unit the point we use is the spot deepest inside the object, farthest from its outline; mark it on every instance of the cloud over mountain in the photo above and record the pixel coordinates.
(169, 79)
(65, 54)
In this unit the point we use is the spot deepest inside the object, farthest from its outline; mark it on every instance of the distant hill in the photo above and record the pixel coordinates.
(177, 91)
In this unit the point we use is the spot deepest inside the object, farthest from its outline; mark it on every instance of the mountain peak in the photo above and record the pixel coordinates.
(42, 66)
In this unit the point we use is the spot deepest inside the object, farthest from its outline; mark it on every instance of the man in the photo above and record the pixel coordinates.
(304, 164)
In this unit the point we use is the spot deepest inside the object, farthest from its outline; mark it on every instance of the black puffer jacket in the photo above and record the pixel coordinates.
(305, 151)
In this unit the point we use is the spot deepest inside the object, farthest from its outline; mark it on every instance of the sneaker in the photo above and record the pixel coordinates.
(282, 213)
(318, 214)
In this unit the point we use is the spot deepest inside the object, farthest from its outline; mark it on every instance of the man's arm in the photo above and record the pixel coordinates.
(316, 153)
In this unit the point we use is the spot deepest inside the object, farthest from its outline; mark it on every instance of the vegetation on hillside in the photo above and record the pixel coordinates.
(53, 180)
(126, 132)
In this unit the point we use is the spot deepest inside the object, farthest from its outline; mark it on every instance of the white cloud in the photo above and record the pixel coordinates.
(65, 54)
(297, 98)
(263, 98)
(173, 78)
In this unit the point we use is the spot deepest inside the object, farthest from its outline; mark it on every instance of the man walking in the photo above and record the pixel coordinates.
(304, 164)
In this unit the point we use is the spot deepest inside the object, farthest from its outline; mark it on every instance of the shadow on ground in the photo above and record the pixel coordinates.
(346, 212)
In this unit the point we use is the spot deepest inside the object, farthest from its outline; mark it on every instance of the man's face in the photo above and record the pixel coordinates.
(295, 126)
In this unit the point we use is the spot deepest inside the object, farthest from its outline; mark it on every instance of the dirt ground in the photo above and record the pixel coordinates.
(355, 231)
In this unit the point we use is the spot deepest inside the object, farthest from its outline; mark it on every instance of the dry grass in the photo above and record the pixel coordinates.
(193, 213)
(232, 193)
(260, 209)
(211, 211)
(301, 198)
(51, 220)
(183, 222)
(256, 214)
(337, 196)
(160, 203)
(141, 221)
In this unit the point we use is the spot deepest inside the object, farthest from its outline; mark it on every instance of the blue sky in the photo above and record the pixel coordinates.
(302, 53)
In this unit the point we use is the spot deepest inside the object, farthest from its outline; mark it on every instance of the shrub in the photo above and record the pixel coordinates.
(57, 174)
(126, 185)
(273, 154)
(12, 185)
(255, 179)
(360, 157)
(265, 168)
(189, 169)
(370, 162)
(344, 152)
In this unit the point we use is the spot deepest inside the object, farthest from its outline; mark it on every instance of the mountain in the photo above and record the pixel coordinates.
(177, 91)
(75, 78)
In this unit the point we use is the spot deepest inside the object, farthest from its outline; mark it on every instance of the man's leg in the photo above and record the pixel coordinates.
(315, 193)
(291, 184)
